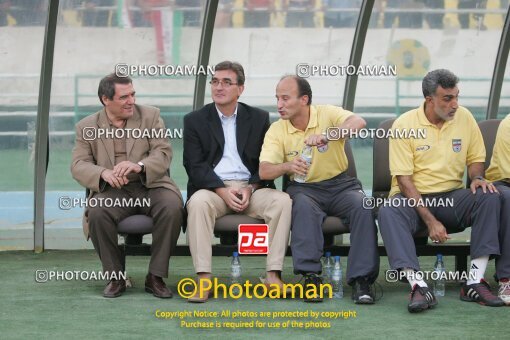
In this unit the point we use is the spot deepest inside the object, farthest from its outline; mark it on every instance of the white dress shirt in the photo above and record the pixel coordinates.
(231, 166)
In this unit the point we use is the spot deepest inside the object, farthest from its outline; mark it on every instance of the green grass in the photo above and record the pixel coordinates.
(19, 174)
(76, 309)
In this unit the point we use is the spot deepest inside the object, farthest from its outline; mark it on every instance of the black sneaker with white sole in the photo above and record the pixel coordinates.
(312, 288)
(362, 292)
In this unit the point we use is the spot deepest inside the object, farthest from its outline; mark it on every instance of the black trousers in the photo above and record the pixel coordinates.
(166, 210)
(341, 196)
(480, 211)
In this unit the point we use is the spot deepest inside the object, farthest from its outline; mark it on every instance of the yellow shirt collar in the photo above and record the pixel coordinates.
(312, 122)
(423, 119)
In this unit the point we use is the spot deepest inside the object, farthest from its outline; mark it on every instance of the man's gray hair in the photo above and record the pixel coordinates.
(441, 77)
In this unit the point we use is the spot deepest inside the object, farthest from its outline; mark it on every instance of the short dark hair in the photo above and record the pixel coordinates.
(444, 78)
(233, 66)
(303, 85)
(107, 85)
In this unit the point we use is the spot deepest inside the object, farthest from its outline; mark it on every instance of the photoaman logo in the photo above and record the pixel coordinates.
(188, 287)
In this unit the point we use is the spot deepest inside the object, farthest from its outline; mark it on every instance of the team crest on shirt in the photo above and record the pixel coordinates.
(456, 145)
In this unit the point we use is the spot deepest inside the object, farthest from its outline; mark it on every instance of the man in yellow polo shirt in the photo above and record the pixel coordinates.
(499, 173)
(327, 189)
(430, 170)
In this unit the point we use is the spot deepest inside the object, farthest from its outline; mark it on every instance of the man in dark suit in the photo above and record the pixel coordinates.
(222, 143)
(118, 166)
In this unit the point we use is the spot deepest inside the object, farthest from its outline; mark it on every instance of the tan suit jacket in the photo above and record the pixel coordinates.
(93, 155)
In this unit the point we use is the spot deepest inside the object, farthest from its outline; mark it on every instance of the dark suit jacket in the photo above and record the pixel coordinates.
(204, 142)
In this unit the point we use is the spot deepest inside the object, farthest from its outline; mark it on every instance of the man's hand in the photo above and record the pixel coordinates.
(232, 197)
(437, 232)
(115, 182)
(480, 183)
(124, 168)
(245, 195)
(297, 166)
(316, 140)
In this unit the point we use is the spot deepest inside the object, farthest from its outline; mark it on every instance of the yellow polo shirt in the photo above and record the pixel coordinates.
(437, 162)
(283, 142)
(500, 163)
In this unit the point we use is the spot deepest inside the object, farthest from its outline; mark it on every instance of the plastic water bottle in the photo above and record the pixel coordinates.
(336, 279)
(327, 267)
(440, 279)
(235, 273)
(306, 155)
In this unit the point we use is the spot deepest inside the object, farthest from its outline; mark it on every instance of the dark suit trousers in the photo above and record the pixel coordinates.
(398, 224)
(341, 196)
(166, 210)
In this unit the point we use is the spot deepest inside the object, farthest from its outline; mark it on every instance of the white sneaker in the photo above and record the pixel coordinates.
(504, 292)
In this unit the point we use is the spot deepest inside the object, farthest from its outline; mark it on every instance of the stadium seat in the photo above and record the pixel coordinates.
(489, 129)
(132, 229)
(381, 176)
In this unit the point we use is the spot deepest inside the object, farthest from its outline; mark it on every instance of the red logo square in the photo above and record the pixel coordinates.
(253, 239)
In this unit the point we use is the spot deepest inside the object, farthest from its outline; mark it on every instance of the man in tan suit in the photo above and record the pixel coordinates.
(112, 164)
(222, 143)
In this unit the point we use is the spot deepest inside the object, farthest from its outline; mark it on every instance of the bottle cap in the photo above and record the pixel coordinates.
(439, 256)
(328, 254)
(337, 258)
(235, 254)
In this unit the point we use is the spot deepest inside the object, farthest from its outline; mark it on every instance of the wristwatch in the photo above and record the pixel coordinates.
(142, 166)
(480, 178)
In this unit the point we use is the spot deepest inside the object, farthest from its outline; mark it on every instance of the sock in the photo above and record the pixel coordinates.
(411, 277)
(477, 269)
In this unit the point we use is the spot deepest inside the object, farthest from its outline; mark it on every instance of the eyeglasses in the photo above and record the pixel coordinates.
(225, 83)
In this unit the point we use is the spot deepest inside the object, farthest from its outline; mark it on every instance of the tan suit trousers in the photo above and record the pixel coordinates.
(205, 206)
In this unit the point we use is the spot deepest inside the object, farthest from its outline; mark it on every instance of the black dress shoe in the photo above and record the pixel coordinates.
(114, 288)
(155, 285)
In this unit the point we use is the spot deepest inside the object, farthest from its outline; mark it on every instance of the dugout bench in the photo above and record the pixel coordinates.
(134, 227)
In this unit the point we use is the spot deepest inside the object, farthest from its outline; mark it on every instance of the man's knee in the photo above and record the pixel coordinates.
(385, 216)
(173, 214)
(281, 200)
(98, 219)
(491, 199)
(360, 205)
(385, 213)
(170, 204)
(200, 201)
(301, 202)
(97, 214)
(357, 197)
(504, 193)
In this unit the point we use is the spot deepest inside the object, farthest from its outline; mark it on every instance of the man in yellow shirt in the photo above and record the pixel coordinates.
(327, 189)
(430, 171)
(499, 173)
